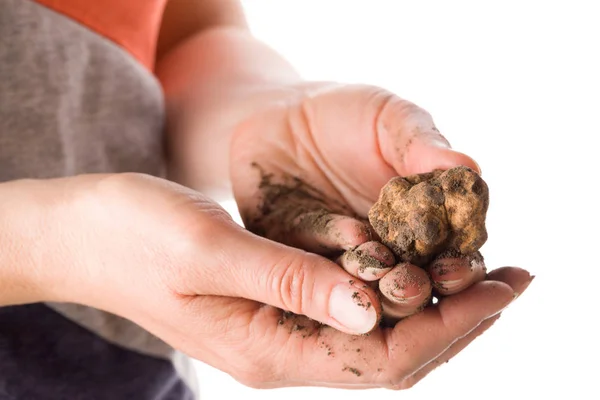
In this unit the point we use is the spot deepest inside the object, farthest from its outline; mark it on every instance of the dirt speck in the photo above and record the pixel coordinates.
(352, 370)
(364, 260)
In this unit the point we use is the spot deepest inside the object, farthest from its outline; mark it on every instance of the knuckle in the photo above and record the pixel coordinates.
(206, 225)
(392, 107)
(292, 280)
(402, 119)
(201, 220)
(113, 185)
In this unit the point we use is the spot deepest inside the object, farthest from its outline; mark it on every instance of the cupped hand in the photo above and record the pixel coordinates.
(306, 170)
(175, 263)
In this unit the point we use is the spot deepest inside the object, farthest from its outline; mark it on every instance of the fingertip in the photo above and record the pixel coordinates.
(352, 232)
(486, 298)
(370, 261)
(353, 308)
(372, 274)
(325, 233)
(517, 278)
(426, 155)
(405, 290)
(451, 158)
(452, 274)
(476, 167)
(378, 263)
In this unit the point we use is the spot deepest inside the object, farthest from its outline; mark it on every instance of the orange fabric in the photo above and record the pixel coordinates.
(132, 24)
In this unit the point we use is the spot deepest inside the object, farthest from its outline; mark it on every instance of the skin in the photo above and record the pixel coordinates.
(215, 290)
(195, 293)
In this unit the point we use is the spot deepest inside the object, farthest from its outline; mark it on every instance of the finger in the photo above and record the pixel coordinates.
(456, 316)
(411, 143)
(405, 290)
(306, 213)
(370, 261)
(234, 262)
(430, 333)
(518, 278)
(446, 356)
(451, 272)
(322, 232)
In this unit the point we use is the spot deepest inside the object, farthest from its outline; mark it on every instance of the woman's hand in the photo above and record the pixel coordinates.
(306, 169)
(175, 263)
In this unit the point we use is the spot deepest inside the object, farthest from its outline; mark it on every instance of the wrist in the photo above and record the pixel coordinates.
(199, 146)
(212, 82)
(21, 231)
(36, 257)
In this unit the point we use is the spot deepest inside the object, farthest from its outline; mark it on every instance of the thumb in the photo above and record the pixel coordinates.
(411, 143)
(258, 269)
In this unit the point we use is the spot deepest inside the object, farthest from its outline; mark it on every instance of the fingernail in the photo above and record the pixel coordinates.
(352, 309)
(401, 297)
(525, 286)
(436, 139)
(438, 143)
(458, 158)
(449, 285)
(478, 169)
(450, 266)
(403, 292)
(469, 162)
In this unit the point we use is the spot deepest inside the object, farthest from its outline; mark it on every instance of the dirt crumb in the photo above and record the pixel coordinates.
(303, 326)
(352, 370)
(358, 300)
(364, 260)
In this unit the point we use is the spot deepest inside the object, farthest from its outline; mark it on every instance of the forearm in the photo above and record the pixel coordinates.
(212, 82)
(38, 235)
(19, 233)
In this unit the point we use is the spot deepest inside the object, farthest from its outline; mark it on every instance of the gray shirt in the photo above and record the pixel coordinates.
(73, 102)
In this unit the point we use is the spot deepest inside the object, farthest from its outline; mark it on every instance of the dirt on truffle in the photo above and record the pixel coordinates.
(420, 216)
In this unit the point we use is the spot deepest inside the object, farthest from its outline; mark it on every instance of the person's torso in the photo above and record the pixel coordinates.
(77, 95)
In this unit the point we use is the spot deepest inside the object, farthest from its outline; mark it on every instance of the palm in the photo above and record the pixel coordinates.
(273, 349)
(327, 141)
(333, 150)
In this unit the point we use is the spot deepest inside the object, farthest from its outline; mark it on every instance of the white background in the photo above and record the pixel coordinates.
(516, 86)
